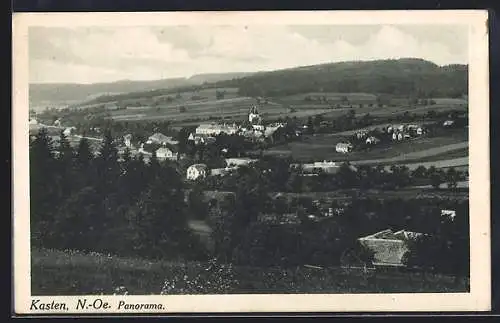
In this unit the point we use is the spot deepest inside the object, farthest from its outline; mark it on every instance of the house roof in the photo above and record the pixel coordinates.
(200, 167)
(163, 150)
(160, 137)
(389, 247)
(344, 144)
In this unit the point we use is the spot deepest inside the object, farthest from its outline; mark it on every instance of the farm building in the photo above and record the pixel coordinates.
(328, 167)
(240, 161)
(201, 139)
(450, 214)
(270, 130)
(166, 153)
(214, 129)
(397, 136)
(69, 131)
(343, 147)
(219, 171)
(361, 134)
(325, 166)
(196, 171)
(448, 123)
(372, 140)
(159, 138)
(389, 247)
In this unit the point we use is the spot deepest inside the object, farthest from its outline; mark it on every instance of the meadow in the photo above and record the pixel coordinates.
(56, 272)
(322, 147)
(185, 107)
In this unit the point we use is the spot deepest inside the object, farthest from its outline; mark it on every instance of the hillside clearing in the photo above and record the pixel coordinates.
(75, 273)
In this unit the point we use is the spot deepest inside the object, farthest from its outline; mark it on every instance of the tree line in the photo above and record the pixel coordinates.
(131, 208)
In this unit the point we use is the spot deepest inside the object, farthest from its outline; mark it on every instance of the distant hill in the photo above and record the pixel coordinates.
(216, 77)
(406, 77)
(409, 77)
(57, 93)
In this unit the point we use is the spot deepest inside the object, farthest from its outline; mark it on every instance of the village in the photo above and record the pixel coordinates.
(389, 247)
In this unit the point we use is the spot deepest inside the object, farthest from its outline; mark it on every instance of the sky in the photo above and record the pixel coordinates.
(107, 54)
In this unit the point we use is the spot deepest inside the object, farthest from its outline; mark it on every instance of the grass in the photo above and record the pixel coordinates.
(234, 105)
(404, 193)
(464, 152)
(74, 273)
(322, 146)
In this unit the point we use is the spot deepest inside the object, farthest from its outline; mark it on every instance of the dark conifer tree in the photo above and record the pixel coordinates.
(43, 187)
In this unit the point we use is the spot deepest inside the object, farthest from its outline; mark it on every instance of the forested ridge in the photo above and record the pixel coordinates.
(403, 77)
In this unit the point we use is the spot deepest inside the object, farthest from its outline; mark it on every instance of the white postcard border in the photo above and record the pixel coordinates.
(477, 300)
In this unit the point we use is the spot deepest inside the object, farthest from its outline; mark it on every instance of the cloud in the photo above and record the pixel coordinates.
(85, 55)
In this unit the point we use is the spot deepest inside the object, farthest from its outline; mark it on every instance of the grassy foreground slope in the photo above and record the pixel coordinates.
(75, 273)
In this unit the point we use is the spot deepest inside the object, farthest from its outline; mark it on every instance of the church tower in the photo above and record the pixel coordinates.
(253, 115)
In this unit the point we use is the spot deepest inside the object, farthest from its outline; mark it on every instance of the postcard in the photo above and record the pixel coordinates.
(231, 162)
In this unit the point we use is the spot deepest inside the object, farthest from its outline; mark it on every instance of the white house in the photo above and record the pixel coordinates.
(239, 161)
(258, 127)
(33, 121)
(165, 153)
(451, 214)
(219, 171)
(196, 171)
(398, 136)
(372, 140)
(68, 131)
(201, 139)
(361, 134)
(329, 167)
(448, 123)
(214, 129)
(161, 139)
(127, 140)
(343, 147)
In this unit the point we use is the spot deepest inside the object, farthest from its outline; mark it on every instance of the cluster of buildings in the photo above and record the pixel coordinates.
(312, 169)
(401, 132)
(200, 171)
(395, 132)
(254, 131)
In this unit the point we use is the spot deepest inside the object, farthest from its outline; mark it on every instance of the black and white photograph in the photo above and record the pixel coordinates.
(277, 154)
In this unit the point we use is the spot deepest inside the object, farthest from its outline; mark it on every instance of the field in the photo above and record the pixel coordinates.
(322, 147)
(204, 104)
(234, 108)
(75, 273)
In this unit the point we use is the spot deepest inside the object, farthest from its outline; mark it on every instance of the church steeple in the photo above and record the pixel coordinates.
(253, 115)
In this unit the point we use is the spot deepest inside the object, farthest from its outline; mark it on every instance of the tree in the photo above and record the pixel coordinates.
(437, 178)
(220, 95)
(65, 166)
(419, 172)
(431, 114)
(197, 207)
(43, 187)
(452, 177)
(84, 159)
(160, 223)
(347, 177)
(107, 165)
